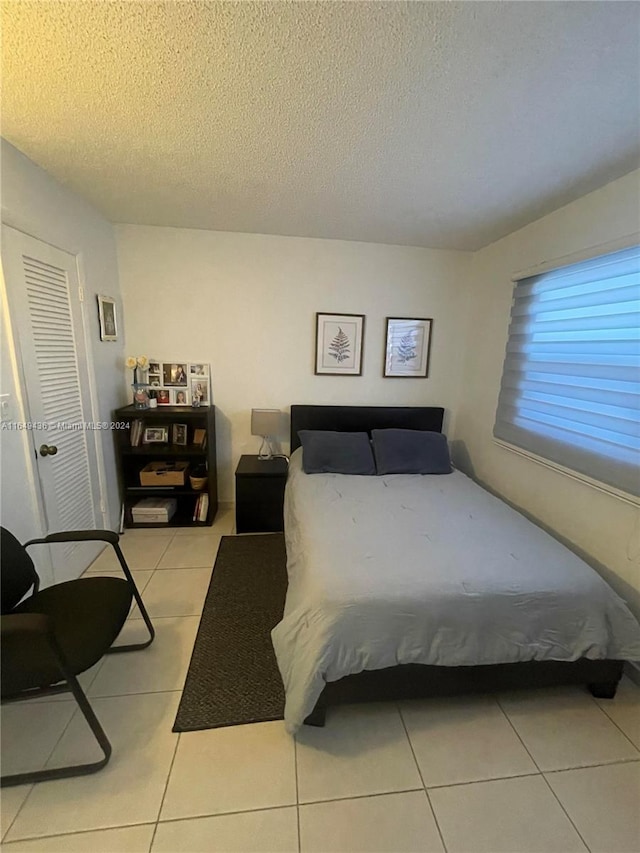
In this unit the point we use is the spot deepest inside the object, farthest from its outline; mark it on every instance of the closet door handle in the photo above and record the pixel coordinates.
(48, 450)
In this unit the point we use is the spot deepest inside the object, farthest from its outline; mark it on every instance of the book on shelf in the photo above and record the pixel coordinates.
(204, 506)
(200, 437)
(137, 428)
(201, 508)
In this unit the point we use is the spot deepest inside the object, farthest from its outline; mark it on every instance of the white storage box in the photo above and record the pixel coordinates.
(154, 510)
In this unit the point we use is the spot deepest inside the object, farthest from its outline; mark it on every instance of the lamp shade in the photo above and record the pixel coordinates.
(265, 421)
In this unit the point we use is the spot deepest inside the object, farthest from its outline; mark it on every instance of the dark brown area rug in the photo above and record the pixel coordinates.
(233, 676)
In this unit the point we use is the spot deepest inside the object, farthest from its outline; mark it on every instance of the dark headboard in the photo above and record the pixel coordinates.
(363, 419)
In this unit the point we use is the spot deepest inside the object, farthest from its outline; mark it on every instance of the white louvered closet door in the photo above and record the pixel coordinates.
(46, 315)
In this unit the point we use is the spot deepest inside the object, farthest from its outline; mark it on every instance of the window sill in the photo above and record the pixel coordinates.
(574, 475)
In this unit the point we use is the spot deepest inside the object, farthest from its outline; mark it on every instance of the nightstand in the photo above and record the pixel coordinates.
(260, 494)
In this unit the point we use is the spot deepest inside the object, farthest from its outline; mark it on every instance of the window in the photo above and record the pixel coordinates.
(571, 379)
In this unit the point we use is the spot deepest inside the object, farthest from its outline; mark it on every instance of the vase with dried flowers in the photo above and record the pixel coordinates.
(140, 395)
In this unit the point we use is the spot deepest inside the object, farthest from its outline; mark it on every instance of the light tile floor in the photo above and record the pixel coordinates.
(530, 772)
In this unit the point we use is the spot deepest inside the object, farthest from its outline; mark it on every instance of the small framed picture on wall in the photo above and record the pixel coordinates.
(107, 317)
(407, 347)
(339, 344)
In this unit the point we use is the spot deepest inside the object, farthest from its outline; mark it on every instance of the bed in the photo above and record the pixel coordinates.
(418, 585)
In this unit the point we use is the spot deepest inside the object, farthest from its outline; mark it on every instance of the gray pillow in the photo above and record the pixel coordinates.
(410, 451)
(326, 452)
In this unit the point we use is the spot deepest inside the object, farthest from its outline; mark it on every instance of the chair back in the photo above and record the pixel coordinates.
(17, 572)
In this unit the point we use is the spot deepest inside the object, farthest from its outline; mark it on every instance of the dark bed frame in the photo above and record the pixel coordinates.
(410, 681)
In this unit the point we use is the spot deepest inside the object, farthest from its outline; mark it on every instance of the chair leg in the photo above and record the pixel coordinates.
(131, 647)
(74, 769)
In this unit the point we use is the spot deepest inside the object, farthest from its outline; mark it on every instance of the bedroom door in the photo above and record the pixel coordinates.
(45, 301)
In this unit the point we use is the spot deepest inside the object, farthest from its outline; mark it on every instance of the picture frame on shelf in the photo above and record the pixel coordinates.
(180, 397)
(156, 435)
(174, 373)
(339, 344)
(407, 347)
(108, 318)
(180, 383)
(163, 445)
(200, 392)
(179, 434)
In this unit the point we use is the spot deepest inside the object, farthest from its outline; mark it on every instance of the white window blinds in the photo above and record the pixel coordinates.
(571, 379)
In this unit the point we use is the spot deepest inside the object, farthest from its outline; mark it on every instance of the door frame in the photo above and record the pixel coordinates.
(21, 224)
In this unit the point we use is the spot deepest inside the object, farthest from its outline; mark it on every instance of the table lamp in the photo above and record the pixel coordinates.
(266, 423)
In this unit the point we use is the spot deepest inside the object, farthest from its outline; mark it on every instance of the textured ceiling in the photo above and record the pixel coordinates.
(439, 124)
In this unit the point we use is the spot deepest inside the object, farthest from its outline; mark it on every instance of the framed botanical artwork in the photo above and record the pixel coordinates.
(107, 317)
(407, 347)
(339, 344)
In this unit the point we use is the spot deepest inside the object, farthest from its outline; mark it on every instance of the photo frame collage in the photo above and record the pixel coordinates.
(179, 383)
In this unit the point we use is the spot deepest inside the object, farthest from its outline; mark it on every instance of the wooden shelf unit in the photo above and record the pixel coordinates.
(130, 461)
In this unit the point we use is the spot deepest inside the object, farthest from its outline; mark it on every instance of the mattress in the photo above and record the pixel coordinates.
(428, 569)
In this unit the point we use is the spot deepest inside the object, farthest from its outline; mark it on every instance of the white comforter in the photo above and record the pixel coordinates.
(433, 570)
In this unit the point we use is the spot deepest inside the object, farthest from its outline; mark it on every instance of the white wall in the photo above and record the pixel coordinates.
(603, 528)
(34, 202)
(246, 303)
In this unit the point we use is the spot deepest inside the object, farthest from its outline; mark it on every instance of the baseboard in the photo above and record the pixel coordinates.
(632, 669)
(224, 506)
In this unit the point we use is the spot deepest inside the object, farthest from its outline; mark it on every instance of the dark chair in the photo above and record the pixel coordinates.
(52, 636)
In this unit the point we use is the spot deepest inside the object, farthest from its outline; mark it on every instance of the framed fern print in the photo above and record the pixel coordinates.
(407, 347)
(339, 344)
